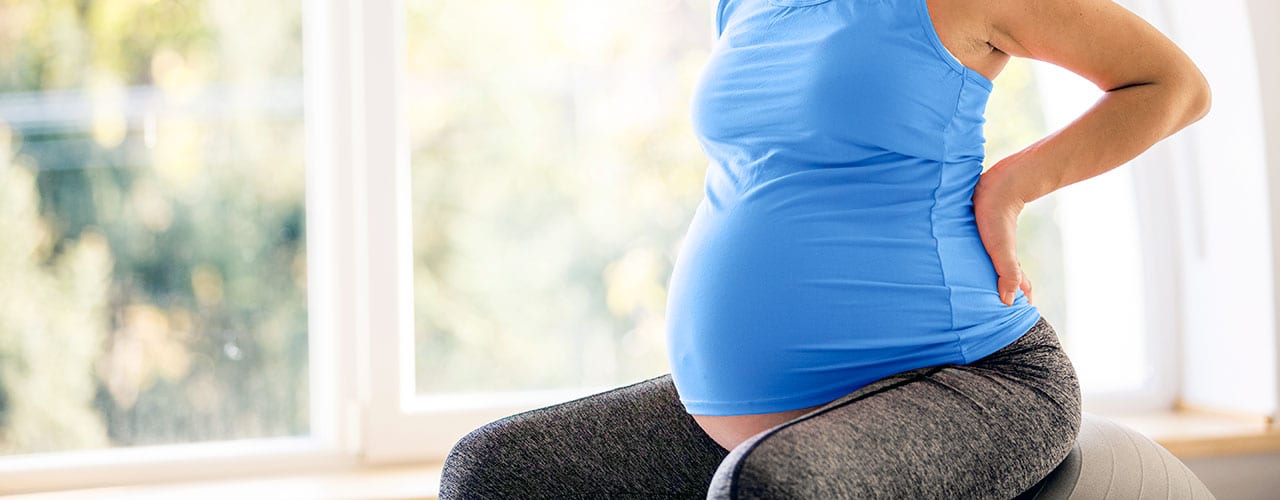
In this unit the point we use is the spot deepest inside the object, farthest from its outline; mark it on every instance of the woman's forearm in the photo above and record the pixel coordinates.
(1120, 126)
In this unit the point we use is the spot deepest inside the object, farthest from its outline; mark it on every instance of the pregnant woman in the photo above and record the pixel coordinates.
(847, 317)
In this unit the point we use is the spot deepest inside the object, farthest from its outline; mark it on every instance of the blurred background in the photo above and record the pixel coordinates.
(153, 207)
(154, 212)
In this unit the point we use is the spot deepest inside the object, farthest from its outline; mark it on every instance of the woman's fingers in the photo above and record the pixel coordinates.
(996, 213)
(997, 226)
(1026, 287)
(999, 237)
(1010, 280)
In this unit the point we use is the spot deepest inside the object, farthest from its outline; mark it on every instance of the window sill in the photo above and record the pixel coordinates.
(1186, 432)
(401, 482)
(1190, 432)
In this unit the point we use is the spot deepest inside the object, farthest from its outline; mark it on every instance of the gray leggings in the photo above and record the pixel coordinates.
(992, 428)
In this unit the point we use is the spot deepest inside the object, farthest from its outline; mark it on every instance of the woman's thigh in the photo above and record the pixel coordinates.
(635, 441)
(988, 429)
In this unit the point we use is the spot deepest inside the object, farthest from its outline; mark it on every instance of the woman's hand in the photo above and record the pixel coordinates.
(996, 206)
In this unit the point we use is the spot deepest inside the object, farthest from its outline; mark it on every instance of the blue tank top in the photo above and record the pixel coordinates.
(836, 242)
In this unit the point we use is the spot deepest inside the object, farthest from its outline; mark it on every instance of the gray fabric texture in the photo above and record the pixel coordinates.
(993, 428)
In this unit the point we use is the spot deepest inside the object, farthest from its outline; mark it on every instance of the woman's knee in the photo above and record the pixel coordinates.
(563, 444)
(506, 458)
(480, 462)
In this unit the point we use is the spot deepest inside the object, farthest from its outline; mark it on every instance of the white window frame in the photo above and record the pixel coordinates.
(333, 442)
(1266, 42)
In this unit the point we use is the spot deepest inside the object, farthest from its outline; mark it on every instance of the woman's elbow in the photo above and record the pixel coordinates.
(1200, 99)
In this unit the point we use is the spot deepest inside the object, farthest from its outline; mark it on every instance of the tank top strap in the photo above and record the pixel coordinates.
(921, 8)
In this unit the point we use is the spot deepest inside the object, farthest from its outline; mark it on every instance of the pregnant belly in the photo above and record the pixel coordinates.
(864, 276)
(811, 288)
(786, 306)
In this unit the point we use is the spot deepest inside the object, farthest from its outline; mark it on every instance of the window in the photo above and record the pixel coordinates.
(553, 172)
(152, 206)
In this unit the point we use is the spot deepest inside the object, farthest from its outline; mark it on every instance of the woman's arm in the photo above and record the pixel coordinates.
(1153, 90)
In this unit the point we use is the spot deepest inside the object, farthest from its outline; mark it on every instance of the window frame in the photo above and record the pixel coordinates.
(1266, 43)
(333, 441)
